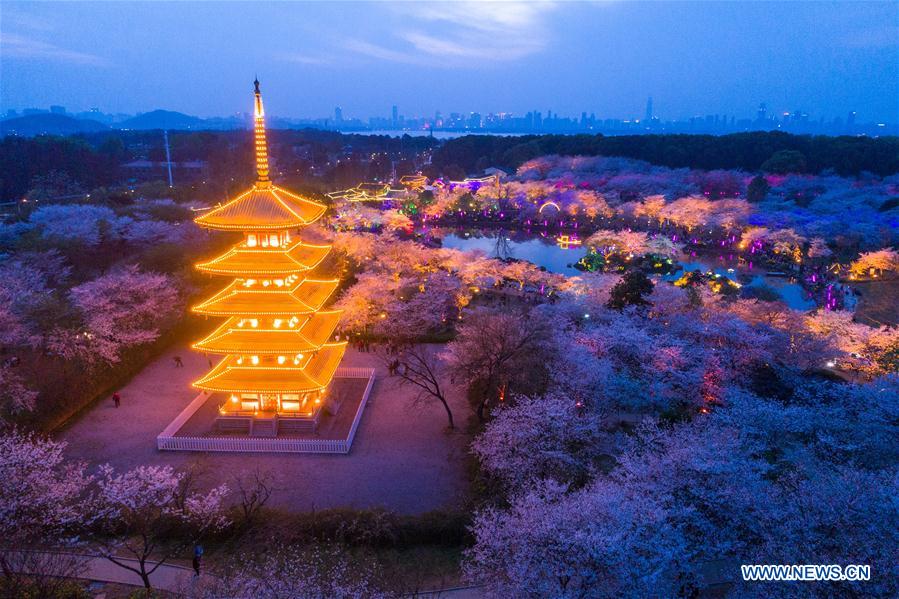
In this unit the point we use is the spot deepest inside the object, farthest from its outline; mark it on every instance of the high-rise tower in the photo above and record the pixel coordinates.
(278, 361)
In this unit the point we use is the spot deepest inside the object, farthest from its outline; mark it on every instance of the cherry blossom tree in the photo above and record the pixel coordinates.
(499, 354)
(82, 223)
(606, 542)
(876, 262)
(283, 572)
(15, 394)
(394, 220)
(688, 212)
(650, 208)
(41, 500)
(608, 242)
(537, 438)
(135, 509)
(120, 309)
(818, 248)
(41, 492)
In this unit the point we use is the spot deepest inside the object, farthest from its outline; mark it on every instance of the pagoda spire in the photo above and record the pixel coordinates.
(262, 179)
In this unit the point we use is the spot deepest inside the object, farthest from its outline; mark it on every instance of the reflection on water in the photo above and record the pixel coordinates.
(789, 291)
(542, 251)
(546, 252)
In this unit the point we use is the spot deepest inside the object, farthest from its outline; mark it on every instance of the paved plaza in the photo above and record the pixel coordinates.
(402, 458)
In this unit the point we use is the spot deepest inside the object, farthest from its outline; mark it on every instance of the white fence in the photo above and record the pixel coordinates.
(167, 439)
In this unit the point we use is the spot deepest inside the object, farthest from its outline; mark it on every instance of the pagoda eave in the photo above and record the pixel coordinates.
(305, 297)
(308, 336)
(263, 208)
(242, 261)
(314, 375)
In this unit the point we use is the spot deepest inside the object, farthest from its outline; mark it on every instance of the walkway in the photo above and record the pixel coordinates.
(176, 579)
(168, 577)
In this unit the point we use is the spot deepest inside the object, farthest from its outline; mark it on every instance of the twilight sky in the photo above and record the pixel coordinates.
(602, 57)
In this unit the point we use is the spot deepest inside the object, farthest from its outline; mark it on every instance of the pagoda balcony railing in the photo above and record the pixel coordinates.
(266, 414)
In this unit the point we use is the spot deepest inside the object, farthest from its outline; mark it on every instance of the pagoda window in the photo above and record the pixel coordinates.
(274, 240)
(249, 405)
(251, 240)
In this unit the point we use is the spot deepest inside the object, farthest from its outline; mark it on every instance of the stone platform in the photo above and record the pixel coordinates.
(194, 428)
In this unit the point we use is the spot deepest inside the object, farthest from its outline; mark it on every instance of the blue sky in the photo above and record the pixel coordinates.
(602, 57)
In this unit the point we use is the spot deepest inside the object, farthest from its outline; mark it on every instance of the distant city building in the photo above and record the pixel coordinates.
(57, 109)
(338, 115)
(649, 109)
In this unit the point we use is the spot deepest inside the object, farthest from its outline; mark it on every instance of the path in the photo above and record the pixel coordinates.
(402, 458)
(175, 579)
(168, 577)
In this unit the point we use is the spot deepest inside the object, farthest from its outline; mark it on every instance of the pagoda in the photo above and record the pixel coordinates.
(277, 358)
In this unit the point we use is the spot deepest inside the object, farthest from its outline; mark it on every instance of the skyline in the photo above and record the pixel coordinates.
(605, 58)
(797, 121)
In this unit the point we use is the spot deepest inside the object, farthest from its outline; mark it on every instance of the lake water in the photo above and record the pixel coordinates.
(546, 252)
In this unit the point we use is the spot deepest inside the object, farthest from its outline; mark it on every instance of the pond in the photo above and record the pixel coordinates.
(543, 250)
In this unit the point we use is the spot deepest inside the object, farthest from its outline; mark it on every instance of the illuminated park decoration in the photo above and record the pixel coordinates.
(277, 359)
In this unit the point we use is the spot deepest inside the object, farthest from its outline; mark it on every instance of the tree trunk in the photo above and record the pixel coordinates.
(144, 576)
(449, 414)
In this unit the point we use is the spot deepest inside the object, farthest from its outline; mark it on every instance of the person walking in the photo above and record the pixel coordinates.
(178, 362)
(198, 555)
(116, 399)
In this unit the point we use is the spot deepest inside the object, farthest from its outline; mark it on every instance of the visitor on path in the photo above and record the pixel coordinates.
(198, 555)
(116, 399)
(178, 362)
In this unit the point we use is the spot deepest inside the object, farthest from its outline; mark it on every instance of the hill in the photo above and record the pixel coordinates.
(48, 124)
(163, 119)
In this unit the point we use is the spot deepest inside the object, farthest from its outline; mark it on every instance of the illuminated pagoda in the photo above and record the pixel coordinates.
(277, 359)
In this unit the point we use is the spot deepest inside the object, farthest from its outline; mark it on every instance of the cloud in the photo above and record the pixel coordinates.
(19, 46)
(303, 58)
(380, 52)
(446, 33)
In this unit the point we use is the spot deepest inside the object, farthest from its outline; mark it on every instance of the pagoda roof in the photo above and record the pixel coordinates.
(243, 260)
(308, 335)
(237, 299)
(315, 374)
(264, 207)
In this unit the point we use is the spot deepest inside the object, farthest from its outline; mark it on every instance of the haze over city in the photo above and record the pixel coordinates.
(824, 59)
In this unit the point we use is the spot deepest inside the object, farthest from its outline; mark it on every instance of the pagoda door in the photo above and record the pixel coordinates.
(269, 402)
